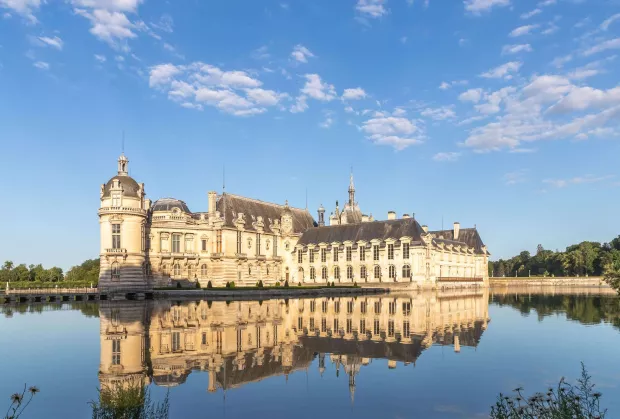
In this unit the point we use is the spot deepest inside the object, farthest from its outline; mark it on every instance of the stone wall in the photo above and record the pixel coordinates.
(590, 281)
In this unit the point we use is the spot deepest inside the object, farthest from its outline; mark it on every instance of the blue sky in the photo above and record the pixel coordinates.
(498, 113)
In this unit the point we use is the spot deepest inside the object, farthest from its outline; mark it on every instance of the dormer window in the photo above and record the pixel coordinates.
(116, 199)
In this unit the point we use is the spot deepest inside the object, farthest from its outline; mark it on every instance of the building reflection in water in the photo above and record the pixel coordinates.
(242, 342)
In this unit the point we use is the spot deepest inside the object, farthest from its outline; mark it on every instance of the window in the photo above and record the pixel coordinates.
(324, 273)
(391, 328)
(406, 271)
(362, 326)
(238, 242)
(176, 341)
(312, 324)
(337, 307)
(324, 306)
(323, 325)
(275, 246)
(116, 271)
(349, 326)
(406, 309)
(116, 236)
(176, 243)
(164, 270)
(189, 244)
(362, 253)
(176, 270)
(300, 324)
(363, 272)
(392, 272)
(257, 243)
(203, 271)
(204, 245)
(300, 256)
(335, 253)
(312, 306)
(350, 307)
(375, 252)
(204, 338)
(390, 251)
(301, 273)
(376, 327)
(116, 199)
(190, 272)
(218, 241)
(377, 307)
(312, 273)
(405, 250)
(143, 236)
(311, 255)
(336, 272)
(116, 352)
(349, 253)
(323, 255)
(406, 329)
(392, 307)
(349, 272)
(336, 326)
(377, 272)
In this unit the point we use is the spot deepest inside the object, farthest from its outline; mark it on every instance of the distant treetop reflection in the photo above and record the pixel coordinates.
(241, 342)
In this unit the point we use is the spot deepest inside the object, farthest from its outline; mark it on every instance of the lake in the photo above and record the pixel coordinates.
(429, 355)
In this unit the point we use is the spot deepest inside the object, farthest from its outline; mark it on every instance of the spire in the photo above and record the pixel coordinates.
(123, 163)
(351, 190)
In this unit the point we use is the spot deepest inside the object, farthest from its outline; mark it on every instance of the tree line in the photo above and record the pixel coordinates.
(585, 258)
(87, 272)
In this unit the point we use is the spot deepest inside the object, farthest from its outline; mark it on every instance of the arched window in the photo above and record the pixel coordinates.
(116, 271)
(164, 270)
(301, 273)
(363, 272)
(392, 272)
(349, 272)
(337, 272)
(176, 270)
(190, 271)
(377, 272)
(406, 271)
(203, 271)
(324, 273)
(312, 273)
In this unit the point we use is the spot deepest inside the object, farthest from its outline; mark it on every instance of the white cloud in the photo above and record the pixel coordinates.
(531, 13)
(113, 27)
(54, 42)
(328, 122)
(397, 132)
(371, 8)
(301, 53)
(100, 58)
(515, 49)
(551, 28)
(605, 25)
(165, 24)
(479, 6)
(446, 85)
(522, 30)
(162, 74)
(25, 8)
(264, 97)
(546, 3)
(300, 104)
(503, 71)
(42, 65)
(603, 46)
(354, 94)
(579, 180)
(493, 101)
(560, 61)
(447, 157)
(439, 114)
(471, 95)
(317, 89)
(512, 178)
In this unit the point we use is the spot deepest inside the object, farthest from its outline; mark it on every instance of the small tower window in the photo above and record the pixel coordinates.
(116, 236)
(116, 271)
(116, 199)
(116, 352)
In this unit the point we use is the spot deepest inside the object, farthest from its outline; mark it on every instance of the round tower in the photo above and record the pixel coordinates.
(123, 231)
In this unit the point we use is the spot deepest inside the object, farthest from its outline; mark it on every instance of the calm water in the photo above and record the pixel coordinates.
(431, 355)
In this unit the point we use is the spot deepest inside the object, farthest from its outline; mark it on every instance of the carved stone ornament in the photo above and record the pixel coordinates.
(287, 224)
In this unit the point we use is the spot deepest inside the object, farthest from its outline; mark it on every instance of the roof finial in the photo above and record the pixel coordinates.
(223, 179)
(351, 189)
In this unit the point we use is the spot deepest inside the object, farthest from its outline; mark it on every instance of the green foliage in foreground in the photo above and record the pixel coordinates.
(87, 273)
(612, 275)
(19, 402)
(63, 284)
(132, 401)
(565, 401)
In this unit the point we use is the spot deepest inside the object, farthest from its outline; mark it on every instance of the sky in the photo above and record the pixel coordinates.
(496, 113)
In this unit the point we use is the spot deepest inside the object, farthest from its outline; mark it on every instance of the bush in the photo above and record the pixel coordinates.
(259, 284)
(277, 283)
(178, 284)
(197, 284)
(227, 284)
(286, 284)
(209, 285)
(565, 401)
(299, 284)
(355, 284)
(232, 284)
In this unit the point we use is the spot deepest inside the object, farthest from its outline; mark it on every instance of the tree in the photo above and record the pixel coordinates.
(539, 249)
(21, 273)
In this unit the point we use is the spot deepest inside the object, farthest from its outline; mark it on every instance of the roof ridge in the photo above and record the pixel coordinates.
(261, 201)
(368, 222)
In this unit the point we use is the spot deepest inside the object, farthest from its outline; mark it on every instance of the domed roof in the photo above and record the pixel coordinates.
(130, 186)
(168, 204)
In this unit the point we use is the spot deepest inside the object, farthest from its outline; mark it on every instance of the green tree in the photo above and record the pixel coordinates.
(21, 273)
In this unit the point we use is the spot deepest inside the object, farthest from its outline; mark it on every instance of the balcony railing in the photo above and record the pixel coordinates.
(105, 210)
(241, 255)
(116, 251)
(217, 255)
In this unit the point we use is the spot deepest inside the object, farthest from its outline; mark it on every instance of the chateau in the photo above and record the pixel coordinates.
(146, 244)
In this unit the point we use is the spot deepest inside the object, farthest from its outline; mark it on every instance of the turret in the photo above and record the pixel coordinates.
(321, 212)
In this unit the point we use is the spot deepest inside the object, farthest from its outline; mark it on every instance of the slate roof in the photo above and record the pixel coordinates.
(130, 186)
(168, 204)
(468, 236)
(230, 205)
(394, 229)
(351, 214)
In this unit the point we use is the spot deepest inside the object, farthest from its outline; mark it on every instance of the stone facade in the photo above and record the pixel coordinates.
(245, 240)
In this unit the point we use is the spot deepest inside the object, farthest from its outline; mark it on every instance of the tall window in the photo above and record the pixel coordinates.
(362, 326)
(336, 306)
(336, 272)
(189, 245)
(311, 255)
(335, 253)
(324, 273)
(203, 271)
(405, 250)
(116, 199)
(116, 236)
(176, 243)
(275, 246)
(218, 241)
(363, 272)
(116, 352)
(312, 306)
(324, 306)
(375, 252)
(377, 272)
(392, 272)
(377, 307)
(323, 255)
(336, 326)
(362, 253)
(363, 307)
(257, 244)
(406, 309)
(349, 253)
(312, 273)
(350, 307)
(300, 256)
(390, 251)
(349, 272)
(391, 328)
(349, 326)
(204, 245)
(392, 307)
(176, 341)
(301, 273)
(377, 329)
(323, 325)
(406, 329)
(238, 242)
(190, 271)
(406, 271)
(176, 270)
(116, 271)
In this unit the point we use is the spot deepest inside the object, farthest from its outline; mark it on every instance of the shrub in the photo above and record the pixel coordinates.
(355, 284)
(277, 283)
(209, 284)
(232, 284)
(178, 284)
(133, 401)
(299, 284)
(259, 283)
(564, 401)
(286, 284)
(227, 284)
(197, 284)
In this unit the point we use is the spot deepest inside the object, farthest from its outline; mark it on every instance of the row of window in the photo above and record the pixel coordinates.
(406, 307)
(406, 272)
(349, 253)
(376, 330)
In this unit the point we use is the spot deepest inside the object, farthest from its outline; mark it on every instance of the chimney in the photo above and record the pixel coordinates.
(457, 229)
(212, 201)
(391, 215)
(406, 216)
(364, 218)
(425, 229)
(321, 212)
